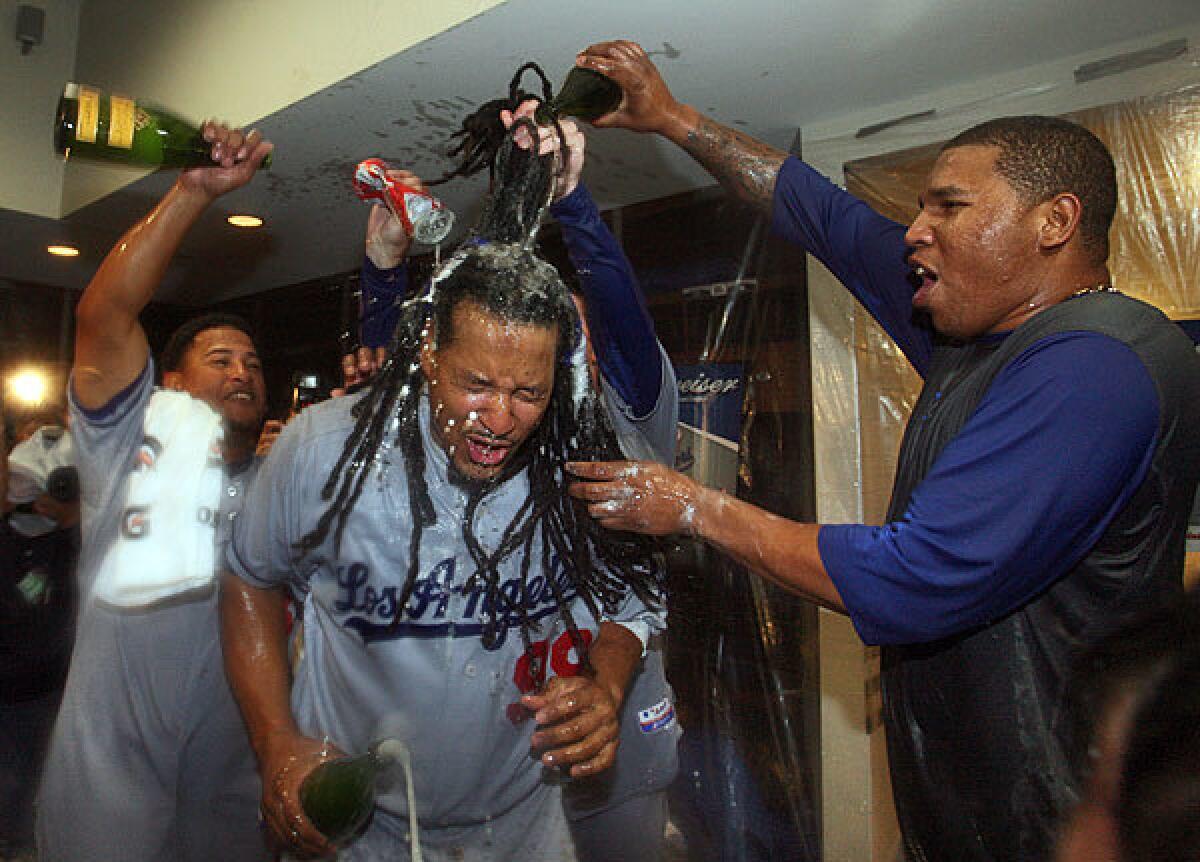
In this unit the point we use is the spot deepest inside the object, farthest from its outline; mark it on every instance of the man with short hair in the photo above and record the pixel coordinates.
(149, 759)
(1044, 479)
(454, 596)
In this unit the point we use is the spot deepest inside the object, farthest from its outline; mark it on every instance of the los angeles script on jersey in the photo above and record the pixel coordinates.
(442, 604)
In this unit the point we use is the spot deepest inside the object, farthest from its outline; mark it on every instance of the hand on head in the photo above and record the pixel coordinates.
(639, 496)
(566, 173)
(236, 156)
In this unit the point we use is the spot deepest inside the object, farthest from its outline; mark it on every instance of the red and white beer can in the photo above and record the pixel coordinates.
(424, 217)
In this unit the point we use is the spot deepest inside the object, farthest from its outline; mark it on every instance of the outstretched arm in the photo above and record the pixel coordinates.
(110, 345)
(743, 165)
(655, 500)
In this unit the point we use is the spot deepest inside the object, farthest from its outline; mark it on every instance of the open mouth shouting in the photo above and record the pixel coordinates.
(924, 277)
(486, 451)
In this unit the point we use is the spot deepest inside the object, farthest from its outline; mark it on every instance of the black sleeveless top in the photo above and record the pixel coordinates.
(977, 739)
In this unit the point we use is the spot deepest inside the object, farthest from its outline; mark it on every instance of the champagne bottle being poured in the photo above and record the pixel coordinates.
(585, 94)
(339, 795)
(114, 128)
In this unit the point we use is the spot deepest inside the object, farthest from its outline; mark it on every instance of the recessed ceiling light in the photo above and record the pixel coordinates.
(245, 221)
(63, 250)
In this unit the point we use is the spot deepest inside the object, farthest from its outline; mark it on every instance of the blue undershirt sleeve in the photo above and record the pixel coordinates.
(382, 292)
(863, 250)
(619, 324)
(1063, 437)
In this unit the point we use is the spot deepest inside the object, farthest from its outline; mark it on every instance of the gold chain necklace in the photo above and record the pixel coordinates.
(1103, 287)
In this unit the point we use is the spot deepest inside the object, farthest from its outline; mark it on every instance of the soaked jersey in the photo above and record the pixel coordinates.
(423, 676)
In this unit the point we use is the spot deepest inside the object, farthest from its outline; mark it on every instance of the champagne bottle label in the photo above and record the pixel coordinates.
(120, 122)
(89, 116)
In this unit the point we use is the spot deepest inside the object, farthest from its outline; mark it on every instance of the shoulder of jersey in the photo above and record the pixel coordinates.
(328, 418)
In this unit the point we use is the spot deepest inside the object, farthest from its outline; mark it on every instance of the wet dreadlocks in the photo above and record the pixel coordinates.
(482, 132)
(496, 269)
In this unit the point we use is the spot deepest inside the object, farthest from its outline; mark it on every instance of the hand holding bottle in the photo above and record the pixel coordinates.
(648, 105)
(287, 760)
(236, 156)
(566, 173)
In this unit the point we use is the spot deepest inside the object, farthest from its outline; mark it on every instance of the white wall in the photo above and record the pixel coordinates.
(30, 85)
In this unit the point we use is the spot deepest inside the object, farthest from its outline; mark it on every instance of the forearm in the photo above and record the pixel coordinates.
(619, 324)
(744, 166)
(110, 346)
(615, 656)
(383, 288)
(254, 641)
(127, 279)
(780, 550)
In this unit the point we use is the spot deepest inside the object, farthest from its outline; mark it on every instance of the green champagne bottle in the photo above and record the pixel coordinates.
(339, 795)
(114, 128)
(585, 94)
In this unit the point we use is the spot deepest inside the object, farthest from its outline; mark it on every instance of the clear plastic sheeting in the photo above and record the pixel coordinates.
(1156, 237)
(741, 662)
(1154, 255)
(741, 655)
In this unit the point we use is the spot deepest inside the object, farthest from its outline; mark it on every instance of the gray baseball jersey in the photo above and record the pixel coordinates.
(647, 759)
(149, 758)
(425, 678)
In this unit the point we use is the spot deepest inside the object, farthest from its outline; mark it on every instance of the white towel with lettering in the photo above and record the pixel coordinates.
(166, 543)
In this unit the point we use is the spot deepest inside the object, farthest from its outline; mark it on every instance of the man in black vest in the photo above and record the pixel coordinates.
(1044, 480)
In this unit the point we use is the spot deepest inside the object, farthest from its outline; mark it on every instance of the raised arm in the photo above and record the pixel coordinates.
(746, 167)
(620, 328)
(383, 282)
(653, 499)
(110, 345)
(865, 251)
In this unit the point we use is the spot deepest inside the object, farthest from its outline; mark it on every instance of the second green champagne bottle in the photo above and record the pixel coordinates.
(585, 94)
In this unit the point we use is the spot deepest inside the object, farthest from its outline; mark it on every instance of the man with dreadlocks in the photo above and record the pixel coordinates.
(622, 813)
(444, 571)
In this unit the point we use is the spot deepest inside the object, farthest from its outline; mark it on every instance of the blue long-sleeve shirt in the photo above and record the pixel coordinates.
(619, 324)
(1056, 446)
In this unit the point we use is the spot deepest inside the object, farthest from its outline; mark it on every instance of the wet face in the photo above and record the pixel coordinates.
(974, 246)
(489, 388)
(221, 368)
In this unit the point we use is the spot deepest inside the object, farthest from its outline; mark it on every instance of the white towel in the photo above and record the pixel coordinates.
(167, 539)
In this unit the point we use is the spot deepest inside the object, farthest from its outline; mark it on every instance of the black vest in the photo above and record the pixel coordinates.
(977, 739)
